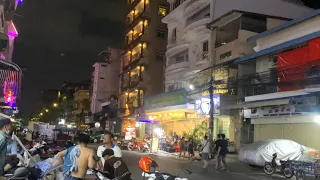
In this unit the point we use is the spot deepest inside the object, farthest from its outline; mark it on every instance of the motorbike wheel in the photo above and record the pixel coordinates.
(300, 175)
(268, 169)
(288, 173)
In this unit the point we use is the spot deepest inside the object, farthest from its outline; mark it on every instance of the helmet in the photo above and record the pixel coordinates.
(146, 163)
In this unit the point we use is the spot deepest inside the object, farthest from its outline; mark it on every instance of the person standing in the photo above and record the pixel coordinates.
(182, 147)
(205, 151)
(108, 144)
(222, 152)
(5, 128)
(77, 159)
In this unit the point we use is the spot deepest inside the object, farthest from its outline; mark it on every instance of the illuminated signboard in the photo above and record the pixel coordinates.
(202, 105)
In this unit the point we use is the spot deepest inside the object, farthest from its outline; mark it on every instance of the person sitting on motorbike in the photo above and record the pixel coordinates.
(12, 160)
(110, 164)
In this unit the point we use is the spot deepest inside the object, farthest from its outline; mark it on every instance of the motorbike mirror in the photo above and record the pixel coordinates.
(116, 164)
(21, 172)
(187, 171)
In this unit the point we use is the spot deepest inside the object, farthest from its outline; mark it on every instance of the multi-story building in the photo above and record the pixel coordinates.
(143, 58)
(105, 78)
(66, 97)
(189, 41)
(10, 72)
(279, 83)
(81, 105)
(197, 51)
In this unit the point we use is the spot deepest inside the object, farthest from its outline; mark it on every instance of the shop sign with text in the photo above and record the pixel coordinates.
(284, 110)
(166, 99)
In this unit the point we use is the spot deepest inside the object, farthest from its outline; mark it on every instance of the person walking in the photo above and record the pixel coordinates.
(205, 151)
(190, 149)
(222, 152)
(182, 147)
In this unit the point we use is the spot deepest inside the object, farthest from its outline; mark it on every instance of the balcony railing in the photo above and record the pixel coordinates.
(136, 56)
(176, 4)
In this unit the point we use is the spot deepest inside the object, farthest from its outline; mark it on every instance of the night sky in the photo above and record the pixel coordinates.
(59, 40)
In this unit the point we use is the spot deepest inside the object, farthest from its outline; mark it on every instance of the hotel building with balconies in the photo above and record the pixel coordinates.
(143, 60)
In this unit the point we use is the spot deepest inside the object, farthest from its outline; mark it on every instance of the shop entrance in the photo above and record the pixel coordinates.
(247, 132)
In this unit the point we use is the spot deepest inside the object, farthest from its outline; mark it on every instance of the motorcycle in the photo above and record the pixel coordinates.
(166, 176)
(154, 175)
(104, 176)
(270, 167)
(146, 146)
(21, 173)
(134, 144)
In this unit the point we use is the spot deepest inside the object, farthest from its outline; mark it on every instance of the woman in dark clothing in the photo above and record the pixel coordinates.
(190, 149)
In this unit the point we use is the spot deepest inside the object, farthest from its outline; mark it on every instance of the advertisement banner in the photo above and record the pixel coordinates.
(202, 105)
(166, 99)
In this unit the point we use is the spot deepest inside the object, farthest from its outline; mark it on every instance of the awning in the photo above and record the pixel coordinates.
(184, 107)
(256, 104)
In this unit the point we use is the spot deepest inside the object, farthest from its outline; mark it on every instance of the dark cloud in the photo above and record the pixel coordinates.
(59, 41)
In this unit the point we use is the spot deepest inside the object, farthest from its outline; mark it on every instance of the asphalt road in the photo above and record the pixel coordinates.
(175, 167)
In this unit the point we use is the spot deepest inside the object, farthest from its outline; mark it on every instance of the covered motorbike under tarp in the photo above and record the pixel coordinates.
(260, 152)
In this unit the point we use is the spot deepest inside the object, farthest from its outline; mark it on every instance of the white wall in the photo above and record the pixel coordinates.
(268, 7)
(189, 37)
(302, 29)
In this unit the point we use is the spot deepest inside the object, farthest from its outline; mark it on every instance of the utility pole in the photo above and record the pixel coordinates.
(213, 57)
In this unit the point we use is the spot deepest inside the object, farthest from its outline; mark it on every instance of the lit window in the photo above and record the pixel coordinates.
(162, 11)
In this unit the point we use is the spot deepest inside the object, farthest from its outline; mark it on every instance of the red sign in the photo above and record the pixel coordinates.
(130, 133)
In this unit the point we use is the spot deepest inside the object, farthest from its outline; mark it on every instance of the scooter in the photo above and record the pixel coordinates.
(155, 175)
(103, 176)
(20, 173)
(270, 167)
(166, 176)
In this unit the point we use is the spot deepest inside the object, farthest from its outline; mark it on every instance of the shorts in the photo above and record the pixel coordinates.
(205, 156)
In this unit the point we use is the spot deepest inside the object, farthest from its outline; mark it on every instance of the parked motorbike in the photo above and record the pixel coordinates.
(166, 176)
(146, 146)
(21, 173)
(134, 144)
(149, 166)
(104, 176)
(271, 167)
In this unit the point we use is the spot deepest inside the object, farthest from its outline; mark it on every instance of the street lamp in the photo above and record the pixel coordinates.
(191, 87)
(47, 110)
(41, 114)
(55, 105)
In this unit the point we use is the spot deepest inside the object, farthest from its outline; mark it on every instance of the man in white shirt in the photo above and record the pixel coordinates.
(205, 151)
(108, 144)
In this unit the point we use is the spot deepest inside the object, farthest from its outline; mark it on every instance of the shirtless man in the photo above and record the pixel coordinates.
(78, 159)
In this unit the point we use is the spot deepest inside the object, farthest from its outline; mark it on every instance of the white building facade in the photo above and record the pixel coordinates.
(190, 44)
(105, 80)
(288, 108)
